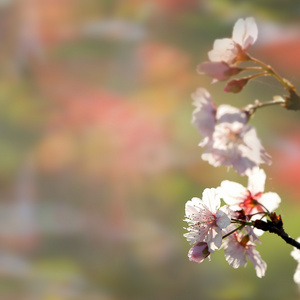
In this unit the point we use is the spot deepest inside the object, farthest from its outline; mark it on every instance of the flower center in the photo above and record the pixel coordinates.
(251, 203)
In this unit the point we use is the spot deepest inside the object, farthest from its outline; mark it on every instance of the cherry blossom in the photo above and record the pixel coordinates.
(204, 115)
(228, 139)
(218, 70)
(228, 52)
(233, 50)
(296, 255)
(206, 219)
(237, 247)
(251, 199)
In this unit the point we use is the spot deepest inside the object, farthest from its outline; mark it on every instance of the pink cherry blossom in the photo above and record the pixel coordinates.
(232, 51)
(296, 255)
(206, 219)
(218, 70)
(251, 199)
(237, 247)
(199, 252)
(204, 115)
(228, 139)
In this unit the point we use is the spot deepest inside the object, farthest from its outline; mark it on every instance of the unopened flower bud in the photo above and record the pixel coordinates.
(236, 85)
(198, 252)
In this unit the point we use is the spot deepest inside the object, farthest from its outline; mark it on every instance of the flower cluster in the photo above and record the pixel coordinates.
(228, 140)
(229, 52)
(212, 227)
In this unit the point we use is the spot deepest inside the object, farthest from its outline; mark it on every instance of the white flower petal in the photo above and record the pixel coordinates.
(211, 199)
(245, 32)
(232, 193)
(296, 255)
(296, 252)
(192, 207)
(297, 275)
(229, 114)
(256, 180)
(270, 200)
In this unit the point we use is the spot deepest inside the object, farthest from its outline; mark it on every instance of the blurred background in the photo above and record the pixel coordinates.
(98, 156)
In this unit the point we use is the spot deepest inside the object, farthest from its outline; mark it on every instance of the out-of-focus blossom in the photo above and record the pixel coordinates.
(296, 255)
(199, 252)
(204, 115)
(232, 51)
(227, 53)
(251, 199)
(237, 247)
(206, 219)
(218, 70)
(228, 139)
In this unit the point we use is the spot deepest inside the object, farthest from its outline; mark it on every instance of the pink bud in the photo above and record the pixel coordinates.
(236, 85)
(198, 252)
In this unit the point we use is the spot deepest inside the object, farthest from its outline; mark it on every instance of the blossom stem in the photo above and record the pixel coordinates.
(277, 228)
(272, 72)
(229, 233)
(253, 69)
(251, 108)
(242, 222)
(264, 213)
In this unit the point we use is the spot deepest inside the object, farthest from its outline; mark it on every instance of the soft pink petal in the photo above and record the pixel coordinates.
(259, 265)
(251, 147)
(223, 50)
(256, 180)
(252, 234)
(218, 70)
(214, 239)
(245, 32)
(235, 144)
(229, 114)
(234, 254)
(223, 217)
(203, 117)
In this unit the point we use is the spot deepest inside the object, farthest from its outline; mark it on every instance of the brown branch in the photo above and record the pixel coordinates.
(276, 226)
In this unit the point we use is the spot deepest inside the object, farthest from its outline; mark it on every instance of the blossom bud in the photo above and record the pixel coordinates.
(198, 252)
(293, 100)
(236, 85)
